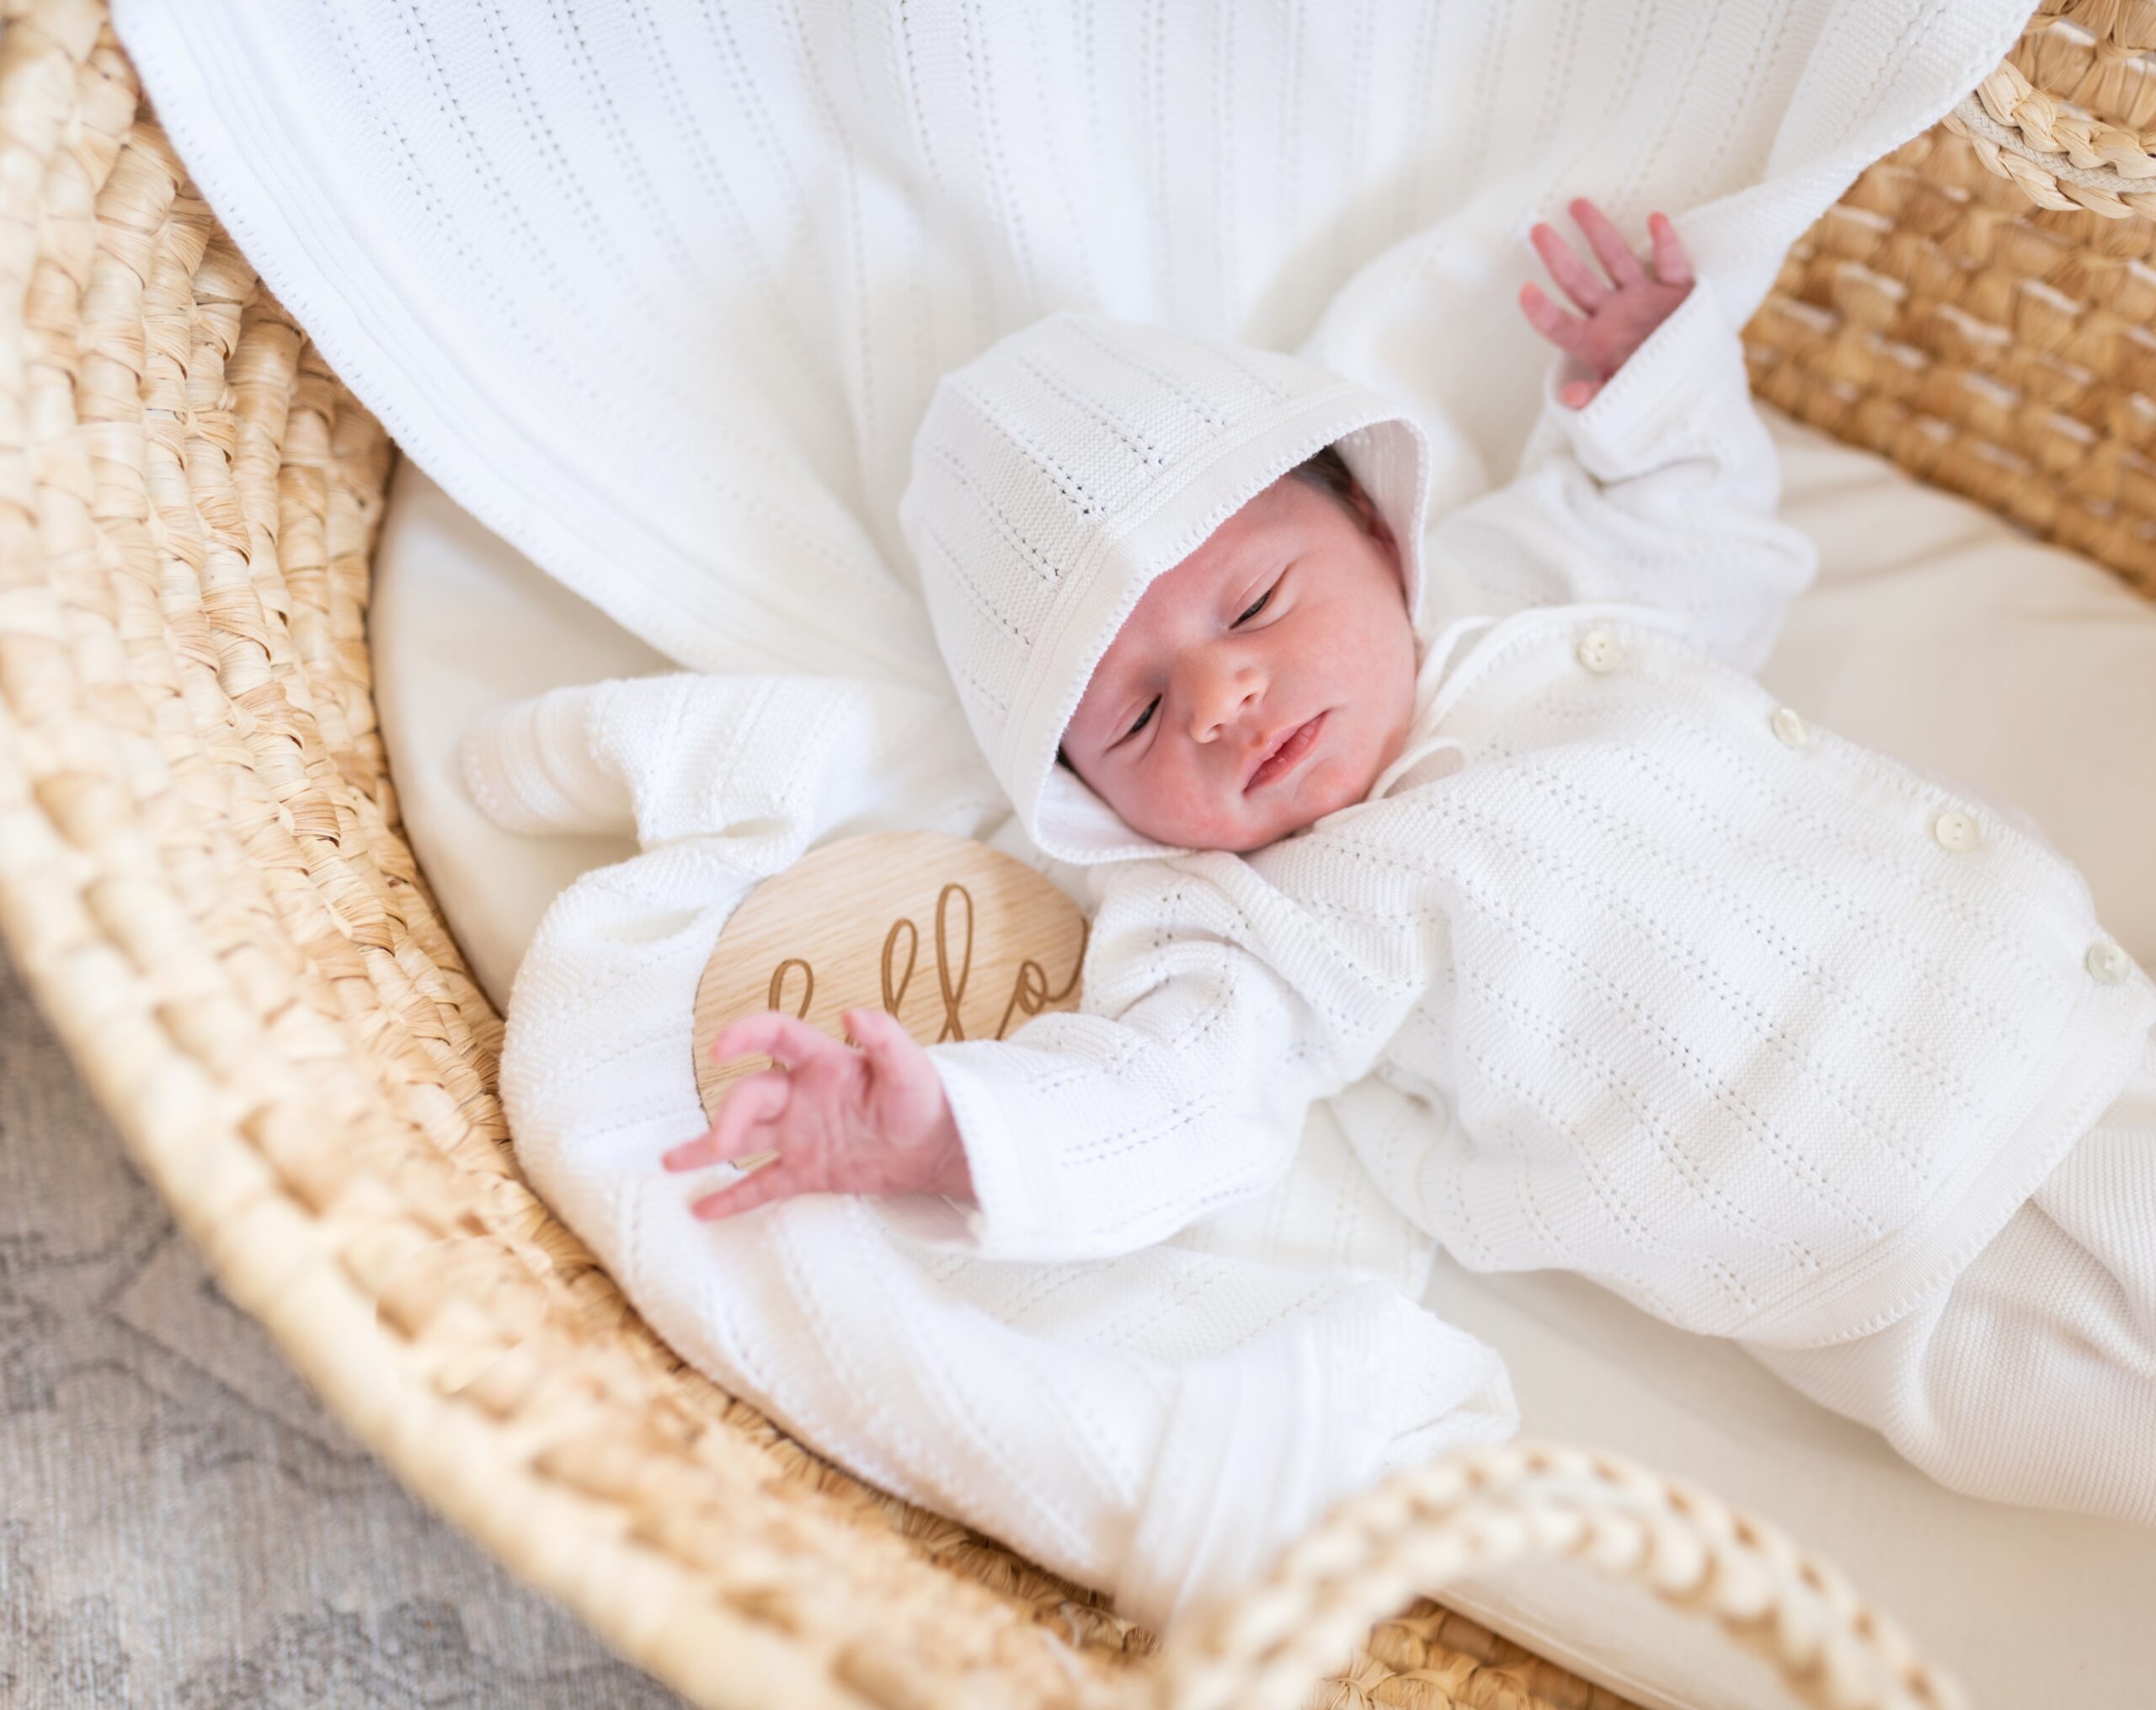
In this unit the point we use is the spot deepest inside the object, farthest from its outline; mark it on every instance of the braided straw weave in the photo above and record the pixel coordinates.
(203, 878)
(2067, 118)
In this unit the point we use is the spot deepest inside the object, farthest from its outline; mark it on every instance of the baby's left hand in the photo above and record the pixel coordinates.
(1621, 314)
(838, 1120)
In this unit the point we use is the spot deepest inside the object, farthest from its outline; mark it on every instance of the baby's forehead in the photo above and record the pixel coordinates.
(1256, 536)
(1237, 542)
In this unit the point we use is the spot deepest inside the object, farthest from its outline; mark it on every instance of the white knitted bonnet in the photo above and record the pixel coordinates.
(1059, 472)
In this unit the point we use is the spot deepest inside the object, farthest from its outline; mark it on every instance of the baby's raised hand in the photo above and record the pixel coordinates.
(842, 1121)
(1622, 312)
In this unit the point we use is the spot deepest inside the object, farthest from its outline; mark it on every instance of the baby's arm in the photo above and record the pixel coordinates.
(1182, 1087)
(1649, 478)
(764, 763)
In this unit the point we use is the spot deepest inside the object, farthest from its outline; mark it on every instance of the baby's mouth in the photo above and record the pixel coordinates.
(1287, 756)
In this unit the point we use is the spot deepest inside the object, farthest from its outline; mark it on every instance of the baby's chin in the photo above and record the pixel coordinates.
(1309, 808)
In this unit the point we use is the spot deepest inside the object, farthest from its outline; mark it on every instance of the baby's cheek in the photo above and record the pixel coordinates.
(1212, 816)
(1145, 787)
(1341, 781)
(1169, 807)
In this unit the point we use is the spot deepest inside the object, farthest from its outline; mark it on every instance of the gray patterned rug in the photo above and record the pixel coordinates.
(181, 1523)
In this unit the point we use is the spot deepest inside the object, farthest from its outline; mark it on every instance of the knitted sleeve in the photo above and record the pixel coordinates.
(783, 758)
(1215, 1010)
(1662, 492)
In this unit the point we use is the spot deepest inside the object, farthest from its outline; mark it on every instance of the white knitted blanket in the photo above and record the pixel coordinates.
(660, 295)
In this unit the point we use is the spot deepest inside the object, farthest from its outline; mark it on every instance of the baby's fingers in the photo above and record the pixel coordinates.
(891, 1049)
(1566, 332)
(1573, 275)
(749, 1101)
(774, 1181)
(1608, 244)
(1672, 266)
(785, 1039)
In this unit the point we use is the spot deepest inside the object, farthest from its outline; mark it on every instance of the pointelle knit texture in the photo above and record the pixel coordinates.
(1720, 1018)
(1779, 1039)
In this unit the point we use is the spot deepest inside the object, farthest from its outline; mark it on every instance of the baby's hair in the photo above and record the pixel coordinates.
(1328, 472)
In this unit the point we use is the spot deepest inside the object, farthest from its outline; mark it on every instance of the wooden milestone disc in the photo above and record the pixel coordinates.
(956, 939)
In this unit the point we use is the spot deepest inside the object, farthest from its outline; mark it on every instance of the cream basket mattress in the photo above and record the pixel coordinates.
(1935, 632)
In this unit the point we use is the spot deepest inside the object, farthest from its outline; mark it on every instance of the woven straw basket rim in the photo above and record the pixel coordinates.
(203, 880)
(2070, 117)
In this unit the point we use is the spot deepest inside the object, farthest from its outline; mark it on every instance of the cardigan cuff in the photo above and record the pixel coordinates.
(1013, 1213)
(1667, 394)
(530, 767)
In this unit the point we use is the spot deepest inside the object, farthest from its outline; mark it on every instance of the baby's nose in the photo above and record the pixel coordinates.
(1221, 697)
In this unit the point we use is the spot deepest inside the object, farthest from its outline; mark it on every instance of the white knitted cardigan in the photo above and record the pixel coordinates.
(1766, 1032)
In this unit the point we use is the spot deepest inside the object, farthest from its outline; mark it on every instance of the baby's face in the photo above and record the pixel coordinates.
(1264, 681)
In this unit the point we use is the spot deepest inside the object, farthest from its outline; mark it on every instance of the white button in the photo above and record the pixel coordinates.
(1597, 650)
(1955, 831)
(1790, 728)
(2107, 962)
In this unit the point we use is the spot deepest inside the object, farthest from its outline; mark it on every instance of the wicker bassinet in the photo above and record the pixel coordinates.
(203, 879)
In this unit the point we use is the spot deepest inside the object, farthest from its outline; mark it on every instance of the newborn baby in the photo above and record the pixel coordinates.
(1776, 1037)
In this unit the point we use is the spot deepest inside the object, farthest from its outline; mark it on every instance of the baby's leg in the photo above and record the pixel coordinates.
(2032, 1379)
